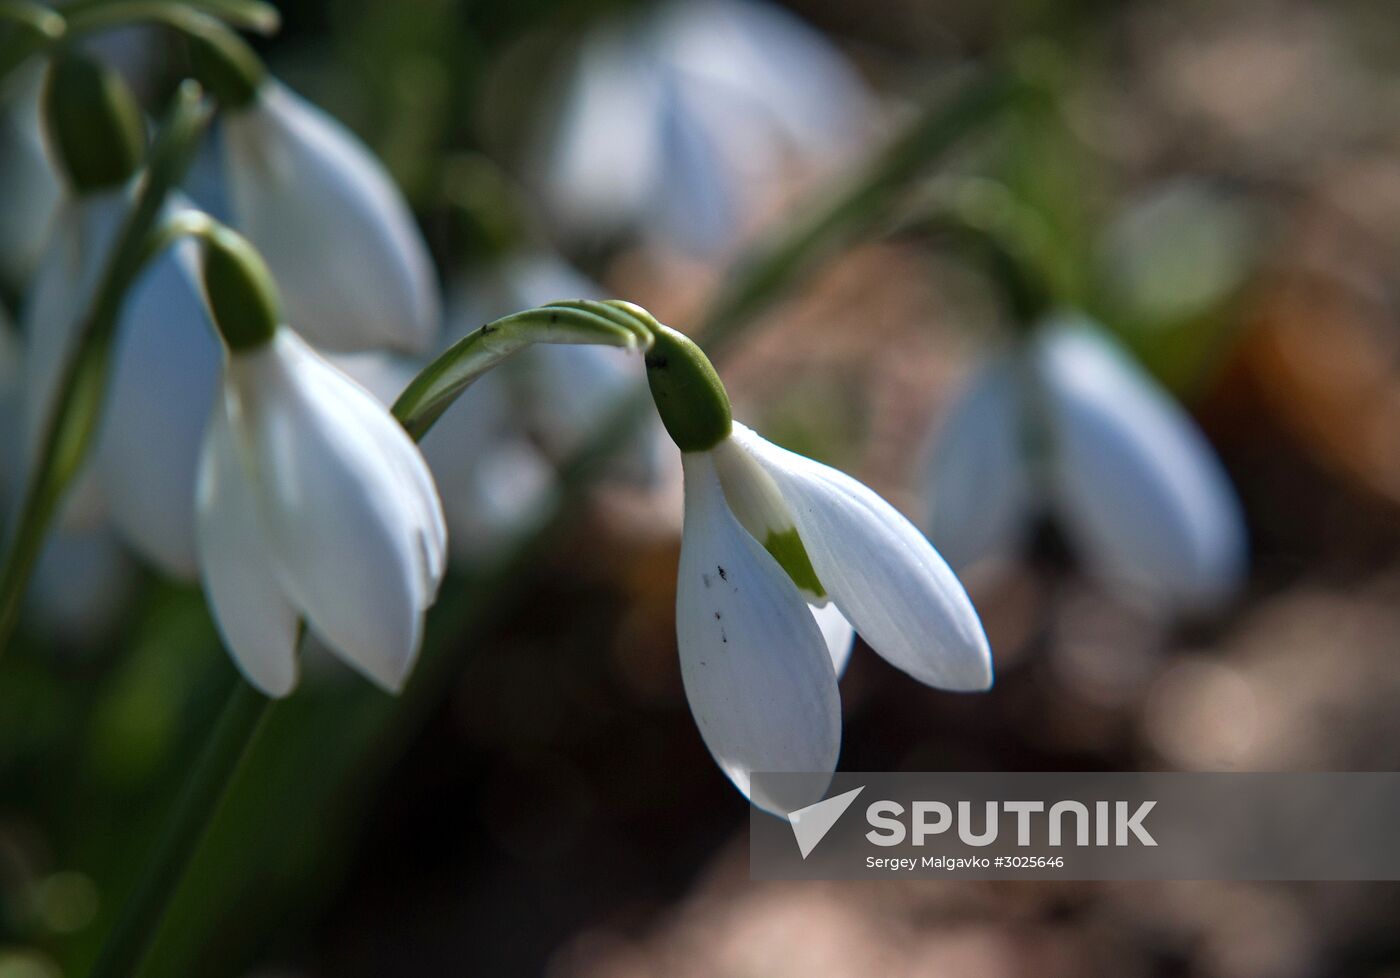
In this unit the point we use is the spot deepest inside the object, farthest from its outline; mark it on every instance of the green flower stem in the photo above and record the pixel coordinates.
(834, 220)
(770, 271)
(88, 16)
(34, 17)
(80, 393)
(578, 321)
(233, 736)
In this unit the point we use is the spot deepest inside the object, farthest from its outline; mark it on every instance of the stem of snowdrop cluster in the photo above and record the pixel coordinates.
(78, 401)
(578, 321)
(233, 735)
(767, 273)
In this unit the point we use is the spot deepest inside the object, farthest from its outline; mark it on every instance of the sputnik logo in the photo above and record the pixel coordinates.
(811, 824)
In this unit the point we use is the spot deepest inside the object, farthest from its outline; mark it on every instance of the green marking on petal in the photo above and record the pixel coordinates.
(787, 549)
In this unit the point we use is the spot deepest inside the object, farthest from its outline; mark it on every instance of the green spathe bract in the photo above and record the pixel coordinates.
(242, 295)
(93, 124)
(692, 402)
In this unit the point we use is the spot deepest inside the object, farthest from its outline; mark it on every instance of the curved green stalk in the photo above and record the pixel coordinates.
(90, 16)
(576, 321)
(78, 402)
(35, 17)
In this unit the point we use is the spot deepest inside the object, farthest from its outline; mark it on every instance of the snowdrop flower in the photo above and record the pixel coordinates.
(781, 557)
(313, 503)
(1070, 424)
(336, 232)
(671, 120)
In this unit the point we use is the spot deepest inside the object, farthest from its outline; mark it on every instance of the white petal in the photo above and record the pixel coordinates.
(164, 375)
(1139, 488)
(880, 571)
(257, 624)
(839, 634)
(980, 493)
(699, 206)
(756, 669)
(352, 266)
(353, 521)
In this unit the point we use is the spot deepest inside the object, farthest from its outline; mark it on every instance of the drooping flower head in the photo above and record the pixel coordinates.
(781, 559)
(335, 229)
(314, 505)
(672, 119)
(1069, 425)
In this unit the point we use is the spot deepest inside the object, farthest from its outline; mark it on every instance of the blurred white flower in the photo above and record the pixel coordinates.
(314, 503)
(673, 120)
(352, 267)
(84, 232)
(1072, 425)
(32, 189)
(164, 367)
(770, 537)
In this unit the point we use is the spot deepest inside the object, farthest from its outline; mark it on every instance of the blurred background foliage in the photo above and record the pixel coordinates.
(1218, 184)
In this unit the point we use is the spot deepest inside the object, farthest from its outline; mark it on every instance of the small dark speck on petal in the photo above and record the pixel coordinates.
(723, 576)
